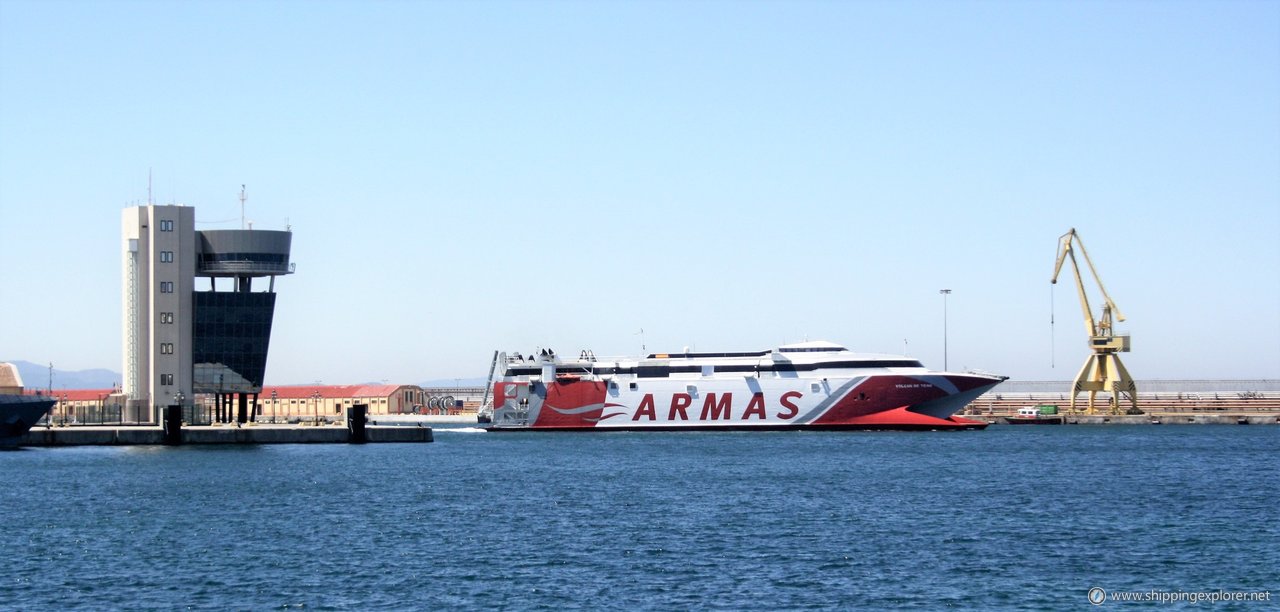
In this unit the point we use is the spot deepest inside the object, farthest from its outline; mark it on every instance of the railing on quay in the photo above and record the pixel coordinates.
(104, 414)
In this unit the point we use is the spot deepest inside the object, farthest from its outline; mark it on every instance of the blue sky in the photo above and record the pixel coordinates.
(464, 177)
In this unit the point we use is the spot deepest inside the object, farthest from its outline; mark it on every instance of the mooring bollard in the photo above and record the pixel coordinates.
(173, 425)
(357, 416)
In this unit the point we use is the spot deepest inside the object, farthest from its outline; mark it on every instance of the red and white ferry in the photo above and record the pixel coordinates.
(811, 385)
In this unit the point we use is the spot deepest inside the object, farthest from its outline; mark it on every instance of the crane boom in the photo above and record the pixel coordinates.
(1103, 370)
(1065, 250)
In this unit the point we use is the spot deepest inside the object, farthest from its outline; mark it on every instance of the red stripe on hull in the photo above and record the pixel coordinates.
(904, 418)
(575, 403)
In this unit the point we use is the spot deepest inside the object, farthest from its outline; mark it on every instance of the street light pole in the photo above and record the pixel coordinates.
(945, 293)
(273, 406)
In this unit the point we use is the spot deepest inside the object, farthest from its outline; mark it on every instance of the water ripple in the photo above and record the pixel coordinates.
(993, 519)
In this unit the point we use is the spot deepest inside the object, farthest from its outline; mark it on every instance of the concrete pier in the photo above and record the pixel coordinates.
(220, 434)
(1177, 418)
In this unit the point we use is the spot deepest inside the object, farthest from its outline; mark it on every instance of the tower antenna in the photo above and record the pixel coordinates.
(242, 199)
(149, 200)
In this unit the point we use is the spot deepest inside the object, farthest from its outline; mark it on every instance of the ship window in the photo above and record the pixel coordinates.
(653, 371)
(634, 386)
(816, 387)
(708, 370)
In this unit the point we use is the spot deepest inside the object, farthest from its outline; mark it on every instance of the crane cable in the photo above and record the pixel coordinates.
(1052, 334)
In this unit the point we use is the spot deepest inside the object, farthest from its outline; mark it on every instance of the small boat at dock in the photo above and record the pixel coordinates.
(1035, 415)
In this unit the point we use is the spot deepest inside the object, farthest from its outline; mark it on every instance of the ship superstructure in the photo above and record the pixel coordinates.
(810, 385)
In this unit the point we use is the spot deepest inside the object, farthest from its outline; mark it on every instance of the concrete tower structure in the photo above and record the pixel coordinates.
(159, 279)
(180, 341)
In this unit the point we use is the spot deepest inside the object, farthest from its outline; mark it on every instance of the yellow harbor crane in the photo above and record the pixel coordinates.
(1102, 371)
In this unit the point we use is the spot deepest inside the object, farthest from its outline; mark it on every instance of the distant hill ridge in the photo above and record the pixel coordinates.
(36, 376)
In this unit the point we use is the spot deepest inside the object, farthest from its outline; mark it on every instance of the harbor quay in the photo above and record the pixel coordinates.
(1174, 402)
(174, 430)
(135, 435)
(1154, 418)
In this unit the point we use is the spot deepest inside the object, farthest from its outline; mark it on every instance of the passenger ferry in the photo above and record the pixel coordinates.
(811, 385)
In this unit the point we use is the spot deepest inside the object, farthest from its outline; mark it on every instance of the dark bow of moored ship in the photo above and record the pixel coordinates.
(18, 411)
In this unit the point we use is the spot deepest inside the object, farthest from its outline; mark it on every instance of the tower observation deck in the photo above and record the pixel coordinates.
(232, 325)
(243, 254)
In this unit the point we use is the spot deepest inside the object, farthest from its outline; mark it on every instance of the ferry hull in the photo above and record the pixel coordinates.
(872, 402)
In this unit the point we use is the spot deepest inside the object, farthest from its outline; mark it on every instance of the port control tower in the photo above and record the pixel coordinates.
(183, 337)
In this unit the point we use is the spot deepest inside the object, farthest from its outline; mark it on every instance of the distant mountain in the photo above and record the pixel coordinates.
(36, 376)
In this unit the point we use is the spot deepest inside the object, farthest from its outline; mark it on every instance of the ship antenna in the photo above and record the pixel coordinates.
(242, 199)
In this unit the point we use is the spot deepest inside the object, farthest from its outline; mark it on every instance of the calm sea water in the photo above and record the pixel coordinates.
(1004, 518)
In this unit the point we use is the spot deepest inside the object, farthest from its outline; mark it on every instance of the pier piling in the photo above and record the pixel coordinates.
(173, 425)
(357, 417)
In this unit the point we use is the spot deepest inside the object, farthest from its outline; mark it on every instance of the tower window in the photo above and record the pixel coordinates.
(166, 379)
(166, 317)
(166, 348)
(166, 225)
(166, 256)
(166, 286)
